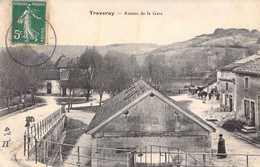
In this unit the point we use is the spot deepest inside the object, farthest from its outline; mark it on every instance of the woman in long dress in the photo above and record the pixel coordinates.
(28, 32)
(221, 147)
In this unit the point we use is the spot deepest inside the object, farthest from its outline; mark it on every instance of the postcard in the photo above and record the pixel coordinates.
(130, 83)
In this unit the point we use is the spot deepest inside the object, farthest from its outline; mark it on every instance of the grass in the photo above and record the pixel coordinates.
(76, 100)
(87, 108)
(74, 129)
(16, 100)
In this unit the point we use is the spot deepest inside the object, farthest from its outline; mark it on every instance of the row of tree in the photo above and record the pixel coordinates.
(111, 72)
(19, 80)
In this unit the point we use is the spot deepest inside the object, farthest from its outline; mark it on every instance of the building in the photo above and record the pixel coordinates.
(238, 85)
(248, 93)
(141, 116)
(51, 85)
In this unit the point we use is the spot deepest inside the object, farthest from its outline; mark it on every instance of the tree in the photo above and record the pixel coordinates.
(74, 75)
(100, 80)
(17, 79)
(88, 62)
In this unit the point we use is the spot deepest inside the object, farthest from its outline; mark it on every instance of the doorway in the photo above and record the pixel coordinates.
(64, 92)
(49, 88)
(230, 103)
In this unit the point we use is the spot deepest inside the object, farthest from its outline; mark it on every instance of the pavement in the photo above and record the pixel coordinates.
(234, 145)
(16, 123)
(84, 140)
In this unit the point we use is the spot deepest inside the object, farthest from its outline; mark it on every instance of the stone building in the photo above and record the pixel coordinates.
(239, 87)
(248, 94)
(51, 85)
(141, 116)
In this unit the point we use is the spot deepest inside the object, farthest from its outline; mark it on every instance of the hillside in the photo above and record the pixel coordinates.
(140, 50)
(210, 51)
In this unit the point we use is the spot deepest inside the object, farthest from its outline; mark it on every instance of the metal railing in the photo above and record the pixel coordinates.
(162, 156)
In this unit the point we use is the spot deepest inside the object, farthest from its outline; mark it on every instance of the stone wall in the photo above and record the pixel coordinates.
(250, 94)
(150, 122)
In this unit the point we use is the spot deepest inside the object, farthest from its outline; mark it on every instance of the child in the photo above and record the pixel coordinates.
(7, 137)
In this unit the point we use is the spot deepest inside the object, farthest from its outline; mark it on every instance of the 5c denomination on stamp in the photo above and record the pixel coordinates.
(29, 25)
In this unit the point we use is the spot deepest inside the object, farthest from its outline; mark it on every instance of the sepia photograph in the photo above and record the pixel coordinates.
(117, 83)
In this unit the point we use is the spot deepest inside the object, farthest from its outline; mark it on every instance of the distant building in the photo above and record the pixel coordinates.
(63, 66)
(141, 116)
(51, 84)
(239, 88)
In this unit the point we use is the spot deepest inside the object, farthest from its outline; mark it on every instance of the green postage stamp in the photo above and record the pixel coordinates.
(28, 22)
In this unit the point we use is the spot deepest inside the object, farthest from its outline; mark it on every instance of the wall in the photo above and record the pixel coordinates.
(55, 87)
(150, 122)
(251, 93)
(229, 78)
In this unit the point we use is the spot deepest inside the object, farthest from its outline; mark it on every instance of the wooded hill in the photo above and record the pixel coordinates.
(204, 52)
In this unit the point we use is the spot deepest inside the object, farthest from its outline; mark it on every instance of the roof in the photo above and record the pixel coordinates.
(238, 63)
(50, 75)
(129, 98)
(65, 61)
(252, 67)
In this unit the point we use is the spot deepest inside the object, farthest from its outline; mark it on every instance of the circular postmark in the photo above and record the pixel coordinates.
(29, 47)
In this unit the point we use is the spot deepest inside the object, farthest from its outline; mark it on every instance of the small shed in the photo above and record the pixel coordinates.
(141, 116)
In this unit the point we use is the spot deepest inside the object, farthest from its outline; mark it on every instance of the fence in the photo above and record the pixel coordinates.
(39, 130)
(42, 143)
(161, 156)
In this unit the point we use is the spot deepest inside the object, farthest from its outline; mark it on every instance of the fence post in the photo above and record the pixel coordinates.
(24, 146)
(60, 154)
(46, 154)
(36, 156)
(204, 159)
(247, 161)
(78, 158)
(178, 156)
(28, 141)
(186, 159)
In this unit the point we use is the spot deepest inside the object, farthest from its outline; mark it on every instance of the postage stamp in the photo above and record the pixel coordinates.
(28, 22)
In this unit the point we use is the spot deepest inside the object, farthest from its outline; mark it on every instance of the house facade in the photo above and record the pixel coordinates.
(141, 116)
(51, 85)
(248, 92)
(239, 86)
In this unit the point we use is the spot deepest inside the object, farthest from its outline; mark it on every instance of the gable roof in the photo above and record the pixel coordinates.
(238, 63)
(129, 98)
(65, 61)
(50, 75)
(252, 67)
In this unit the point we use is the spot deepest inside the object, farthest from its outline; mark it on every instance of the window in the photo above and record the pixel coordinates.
(226, 86)
(246, 82)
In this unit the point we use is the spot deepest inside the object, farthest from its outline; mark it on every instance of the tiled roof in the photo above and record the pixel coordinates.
(113, 105)
(65, 61)
(128, 96)
(238, 63)
(50, 75)
(252, 67)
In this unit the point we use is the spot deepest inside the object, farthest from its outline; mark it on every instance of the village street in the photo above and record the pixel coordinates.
(233, 144)
(16, 123)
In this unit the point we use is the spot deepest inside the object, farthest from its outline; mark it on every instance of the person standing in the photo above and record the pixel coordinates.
(7, 137)
(221, 147)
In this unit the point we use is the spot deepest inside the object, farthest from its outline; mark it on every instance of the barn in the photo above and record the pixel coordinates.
(142, 121)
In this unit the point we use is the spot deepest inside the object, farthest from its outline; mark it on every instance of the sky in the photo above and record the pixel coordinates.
(180, 20)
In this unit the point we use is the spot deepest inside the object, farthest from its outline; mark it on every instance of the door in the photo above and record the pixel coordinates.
(230, 103)
(252, 122)
(64, 92)
(48, 88)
